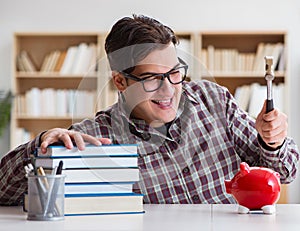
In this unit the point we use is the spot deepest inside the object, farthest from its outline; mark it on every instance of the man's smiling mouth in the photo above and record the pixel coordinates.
(163, 102)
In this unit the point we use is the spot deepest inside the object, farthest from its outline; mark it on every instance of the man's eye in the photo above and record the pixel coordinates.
(174, 72)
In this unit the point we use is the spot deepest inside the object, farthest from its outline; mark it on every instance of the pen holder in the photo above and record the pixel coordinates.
(46, 197)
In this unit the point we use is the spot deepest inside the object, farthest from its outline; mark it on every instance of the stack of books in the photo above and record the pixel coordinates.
(98, 180)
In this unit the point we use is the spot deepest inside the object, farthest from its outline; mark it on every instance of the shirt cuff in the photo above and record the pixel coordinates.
(267, 147)
(33, 145)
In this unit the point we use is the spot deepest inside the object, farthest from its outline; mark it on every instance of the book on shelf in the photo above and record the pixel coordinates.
(251, 97)
(66, 67)
(90, 150)
(268, 49)
(99, 204)
(99, 187)
(86, 161)
(60, 61)
(25, 62)
(57, 102)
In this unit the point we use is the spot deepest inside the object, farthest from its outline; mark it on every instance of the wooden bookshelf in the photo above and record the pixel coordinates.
(245, 43)
(38, 46)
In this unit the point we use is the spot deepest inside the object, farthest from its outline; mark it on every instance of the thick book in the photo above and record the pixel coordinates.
(100, 204)
(101, 175)
(90, 150)
(99, 187)
(89, 204)
(88, 161)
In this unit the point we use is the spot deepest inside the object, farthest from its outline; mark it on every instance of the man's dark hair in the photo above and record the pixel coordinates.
(132, 39)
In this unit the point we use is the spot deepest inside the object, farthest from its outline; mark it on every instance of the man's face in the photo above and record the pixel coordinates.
(160, 106)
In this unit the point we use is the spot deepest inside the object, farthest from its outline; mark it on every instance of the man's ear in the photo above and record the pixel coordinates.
(119, 81)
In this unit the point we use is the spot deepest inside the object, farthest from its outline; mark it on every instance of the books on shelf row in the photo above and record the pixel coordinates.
(251, 97)
(233, 60)
(99, 179)
(25, 63)
(56, 102)
(76, 60)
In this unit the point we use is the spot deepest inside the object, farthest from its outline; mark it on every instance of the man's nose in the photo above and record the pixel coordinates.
(166, 85)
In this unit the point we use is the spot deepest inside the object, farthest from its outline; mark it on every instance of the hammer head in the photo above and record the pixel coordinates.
(269, 68)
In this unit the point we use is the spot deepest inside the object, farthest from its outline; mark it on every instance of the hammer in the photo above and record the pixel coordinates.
(269, 76)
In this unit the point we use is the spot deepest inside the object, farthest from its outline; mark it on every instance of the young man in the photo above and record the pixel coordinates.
(191, 136)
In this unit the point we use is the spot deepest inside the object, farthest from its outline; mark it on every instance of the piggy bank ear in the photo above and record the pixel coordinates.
(244, 168)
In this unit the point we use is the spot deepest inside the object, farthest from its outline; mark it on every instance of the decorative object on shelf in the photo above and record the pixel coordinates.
(5, 106)
(255, 188)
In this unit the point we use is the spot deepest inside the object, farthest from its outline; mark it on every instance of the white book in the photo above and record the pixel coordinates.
(45, 63)
(61, 102)
(80, 59)
(279, 97)
(99, 204)
(101, 175)
(90, 150)
(71, 106)
(184, 50)
(93, 60)
(242, 95)
(27, 62)
(88, 162)
(257, 98)
(48, 102)
(53, 60)
(69, 60)
(282, 60)
(103, 204)
(258, 64)
(33, 102)
(211, 58)
(100, 187)
(276, 53)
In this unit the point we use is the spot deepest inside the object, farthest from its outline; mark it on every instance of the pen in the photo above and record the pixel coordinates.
(59, 168)
(41, 172)
(54, 190)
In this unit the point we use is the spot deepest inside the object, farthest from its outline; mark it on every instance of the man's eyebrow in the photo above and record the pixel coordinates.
(155, 73)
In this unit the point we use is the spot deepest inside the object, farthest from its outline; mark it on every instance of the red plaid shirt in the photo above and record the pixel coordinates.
(185, 163)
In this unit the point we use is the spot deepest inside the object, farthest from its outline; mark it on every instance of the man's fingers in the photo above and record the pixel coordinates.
(105, 140)
(68, 137)
(91, 139)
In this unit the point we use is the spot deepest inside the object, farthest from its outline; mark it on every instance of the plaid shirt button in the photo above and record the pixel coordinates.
(195, 198)
(186, 170)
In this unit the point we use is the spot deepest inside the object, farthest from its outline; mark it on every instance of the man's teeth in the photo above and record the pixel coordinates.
(165, 101)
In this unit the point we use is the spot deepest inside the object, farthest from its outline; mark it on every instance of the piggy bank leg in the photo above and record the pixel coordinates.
(269, 209)
(243, 209)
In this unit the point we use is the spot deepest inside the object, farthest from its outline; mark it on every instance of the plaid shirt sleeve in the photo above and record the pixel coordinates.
(254, 151)
(13, 182)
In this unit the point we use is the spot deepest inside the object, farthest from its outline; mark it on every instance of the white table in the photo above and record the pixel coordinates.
(163, 217)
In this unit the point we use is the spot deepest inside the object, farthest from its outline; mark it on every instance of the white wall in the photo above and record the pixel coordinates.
(188, 15)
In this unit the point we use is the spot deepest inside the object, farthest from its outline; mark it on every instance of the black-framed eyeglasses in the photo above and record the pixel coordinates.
(153, 81)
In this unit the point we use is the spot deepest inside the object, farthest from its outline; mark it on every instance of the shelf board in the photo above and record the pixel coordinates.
(240, 74)
(36, 125)
(29, 117)
(26, 81)
(53, 75)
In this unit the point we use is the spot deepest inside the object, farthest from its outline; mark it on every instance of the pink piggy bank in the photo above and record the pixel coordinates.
(255, 188)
